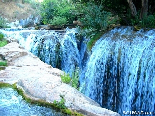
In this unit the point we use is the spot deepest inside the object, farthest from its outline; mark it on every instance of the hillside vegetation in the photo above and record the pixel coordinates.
(93, 16)
(15, 10)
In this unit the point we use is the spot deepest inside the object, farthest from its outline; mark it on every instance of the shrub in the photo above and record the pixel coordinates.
(96, 18)
(53, 11)
(75, 79)
(3, 63)
(148, 22)
(1, 36)
(65, 9)
(58, 21)
(3, 43)
(47, 11)
(66, 78)
(60, 104)
(94, 21)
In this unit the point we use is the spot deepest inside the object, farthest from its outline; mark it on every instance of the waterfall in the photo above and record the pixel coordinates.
(120, 73)
(58, 48)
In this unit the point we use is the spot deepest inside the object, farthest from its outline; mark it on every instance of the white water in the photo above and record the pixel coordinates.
(12, 104)
(57, 48)
(120, 72)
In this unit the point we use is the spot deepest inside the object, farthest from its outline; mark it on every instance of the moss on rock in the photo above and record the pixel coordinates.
(39, 101)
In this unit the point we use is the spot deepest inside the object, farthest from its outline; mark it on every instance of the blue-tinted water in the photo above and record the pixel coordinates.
(12, 104)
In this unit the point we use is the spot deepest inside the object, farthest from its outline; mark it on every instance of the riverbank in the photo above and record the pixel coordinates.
(41, 81)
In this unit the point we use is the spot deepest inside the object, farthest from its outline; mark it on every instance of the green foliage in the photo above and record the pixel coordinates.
(47, 11)
(95, 17)
(58, 21)
(1, 36)
(3, 63)
(60, 104)
(3, 42)
(95, 20)
(57, 12)
(2, 85)
(75, 79)
(148, 21)
(92, 41)
(66, 78)
(65, 10)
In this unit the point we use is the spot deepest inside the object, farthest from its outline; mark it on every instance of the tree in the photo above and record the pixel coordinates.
(132, 7)
(144, 9)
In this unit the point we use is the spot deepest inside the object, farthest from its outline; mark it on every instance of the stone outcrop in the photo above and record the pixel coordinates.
(41, 81)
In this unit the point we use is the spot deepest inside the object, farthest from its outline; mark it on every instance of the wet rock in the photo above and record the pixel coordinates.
(41, 81)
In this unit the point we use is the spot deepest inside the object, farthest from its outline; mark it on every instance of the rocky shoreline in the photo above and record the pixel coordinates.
(41, 81)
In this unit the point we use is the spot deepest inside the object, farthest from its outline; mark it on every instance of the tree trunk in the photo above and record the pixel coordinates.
(144, 9)
(132, 7)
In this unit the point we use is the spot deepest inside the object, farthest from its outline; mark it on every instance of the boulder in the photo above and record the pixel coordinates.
(41, 81)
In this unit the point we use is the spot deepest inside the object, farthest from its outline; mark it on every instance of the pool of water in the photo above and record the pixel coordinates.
(12, 104)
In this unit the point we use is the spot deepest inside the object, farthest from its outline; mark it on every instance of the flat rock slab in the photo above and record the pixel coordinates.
(41, 81)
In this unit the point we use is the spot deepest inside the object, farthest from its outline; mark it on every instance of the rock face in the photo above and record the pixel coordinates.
(41, 81)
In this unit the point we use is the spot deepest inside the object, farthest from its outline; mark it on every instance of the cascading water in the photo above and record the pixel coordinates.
(57, 48)
(120, 73)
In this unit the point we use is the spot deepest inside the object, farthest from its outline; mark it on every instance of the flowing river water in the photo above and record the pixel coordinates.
(12, 104)
(118, 73)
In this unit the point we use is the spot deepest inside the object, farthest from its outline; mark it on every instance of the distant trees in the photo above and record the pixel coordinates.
(57, 12)
(131, 12)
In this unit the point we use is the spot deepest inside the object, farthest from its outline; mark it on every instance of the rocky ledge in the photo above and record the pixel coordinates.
(41, 81)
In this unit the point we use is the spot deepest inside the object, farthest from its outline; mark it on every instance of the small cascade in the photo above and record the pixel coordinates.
(120, 73)
(60, 49)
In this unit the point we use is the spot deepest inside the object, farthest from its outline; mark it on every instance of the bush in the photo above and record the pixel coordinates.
(53, 11)
(95, 21)
(3, 43)
(65, 9)
(58, 21)
(1, 36)
(47, 11)
(60, 104)
(3, 63)
(66, 78)
(75, 79)
(148, 22)
(96, 18)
